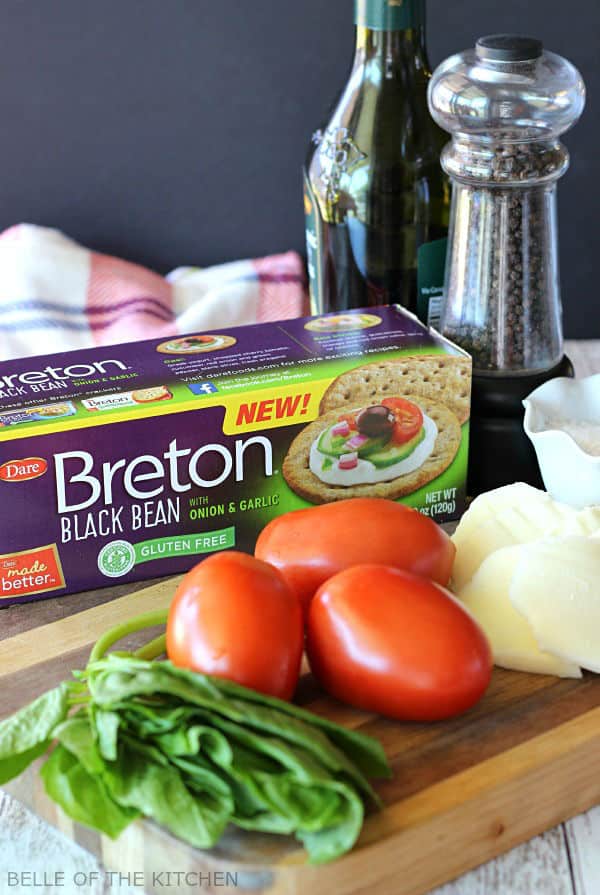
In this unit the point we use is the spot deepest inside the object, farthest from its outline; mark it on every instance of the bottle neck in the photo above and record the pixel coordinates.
(392, 31)
(389, 15)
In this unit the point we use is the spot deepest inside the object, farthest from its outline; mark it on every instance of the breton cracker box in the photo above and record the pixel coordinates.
(135, 461)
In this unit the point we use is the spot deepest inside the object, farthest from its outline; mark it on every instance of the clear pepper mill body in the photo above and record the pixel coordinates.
(506, 103)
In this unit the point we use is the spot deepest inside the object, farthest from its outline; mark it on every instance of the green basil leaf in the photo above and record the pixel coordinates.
(106, 725)
(14, 765)
(332, 841)
(205, 780)
(366, 753)
(155, 719)
(194, 740)
(159, 792)
(115, 679)
(82, 796)
(76, 734)
(25, 735)
(294, 790)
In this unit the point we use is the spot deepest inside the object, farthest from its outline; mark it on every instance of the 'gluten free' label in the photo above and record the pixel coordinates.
(34, 571)
(119, 557)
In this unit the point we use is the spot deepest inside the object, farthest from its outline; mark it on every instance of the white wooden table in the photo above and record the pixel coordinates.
(564, 861)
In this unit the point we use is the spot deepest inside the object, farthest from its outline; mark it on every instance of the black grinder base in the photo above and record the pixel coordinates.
(499, 451)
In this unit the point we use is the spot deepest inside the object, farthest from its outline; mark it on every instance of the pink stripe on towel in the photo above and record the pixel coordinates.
(126, 302)
(282, 285)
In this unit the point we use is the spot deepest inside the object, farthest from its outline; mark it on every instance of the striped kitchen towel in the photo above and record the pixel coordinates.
(56, 295)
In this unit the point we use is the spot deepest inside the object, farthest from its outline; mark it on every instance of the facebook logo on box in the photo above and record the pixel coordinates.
(203, 388)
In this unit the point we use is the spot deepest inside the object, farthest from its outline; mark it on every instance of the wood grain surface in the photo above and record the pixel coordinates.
(524, 760)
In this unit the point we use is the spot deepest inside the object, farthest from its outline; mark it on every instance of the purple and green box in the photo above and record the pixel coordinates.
(135, 461)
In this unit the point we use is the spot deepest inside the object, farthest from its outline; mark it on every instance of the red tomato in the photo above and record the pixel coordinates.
(409, 419)
(349, 418)
(393, 643)
(309, 546)
(234, 616)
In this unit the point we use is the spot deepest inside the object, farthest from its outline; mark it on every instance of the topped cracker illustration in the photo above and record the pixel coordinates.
(379, 450)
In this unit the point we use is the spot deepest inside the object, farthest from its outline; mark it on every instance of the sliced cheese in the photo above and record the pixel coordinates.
(514, 514)
(556, 585)
(510, 634)
(585, 522)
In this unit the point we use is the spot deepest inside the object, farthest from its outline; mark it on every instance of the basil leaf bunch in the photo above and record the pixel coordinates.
(193, 753)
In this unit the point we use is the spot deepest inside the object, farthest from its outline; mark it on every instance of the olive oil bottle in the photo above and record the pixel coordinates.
(375, 196)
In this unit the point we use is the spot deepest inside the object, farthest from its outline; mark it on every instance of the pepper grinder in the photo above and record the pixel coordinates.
(505, 103)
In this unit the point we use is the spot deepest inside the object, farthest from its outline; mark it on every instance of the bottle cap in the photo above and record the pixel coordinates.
(509, 48)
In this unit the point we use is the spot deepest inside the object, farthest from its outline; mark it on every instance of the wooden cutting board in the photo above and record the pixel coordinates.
(464, 791)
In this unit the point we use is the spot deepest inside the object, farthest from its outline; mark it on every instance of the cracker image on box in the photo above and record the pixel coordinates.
(445, 379)
(146, 395)
(387, 449)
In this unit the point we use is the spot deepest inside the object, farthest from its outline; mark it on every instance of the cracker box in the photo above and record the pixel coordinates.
(135, 461)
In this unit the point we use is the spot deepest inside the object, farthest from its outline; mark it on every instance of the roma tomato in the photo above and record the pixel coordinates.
(309, 546)
(393, 643)
(234, 616)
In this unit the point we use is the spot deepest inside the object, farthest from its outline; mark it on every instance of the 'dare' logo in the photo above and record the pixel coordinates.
(23, 470)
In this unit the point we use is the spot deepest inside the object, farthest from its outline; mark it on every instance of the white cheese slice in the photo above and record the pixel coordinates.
(585, 522)
(556, 585)
(510, 634)
(514, 514)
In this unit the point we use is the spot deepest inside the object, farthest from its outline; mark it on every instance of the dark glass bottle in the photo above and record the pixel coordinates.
(376, 199)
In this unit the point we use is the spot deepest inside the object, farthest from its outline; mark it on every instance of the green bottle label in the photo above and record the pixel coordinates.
(389, 15)
(314, 234)
(431, 266)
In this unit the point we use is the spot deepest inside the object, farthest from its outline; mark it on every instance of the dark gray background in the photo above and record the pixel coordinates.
(173, 131)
